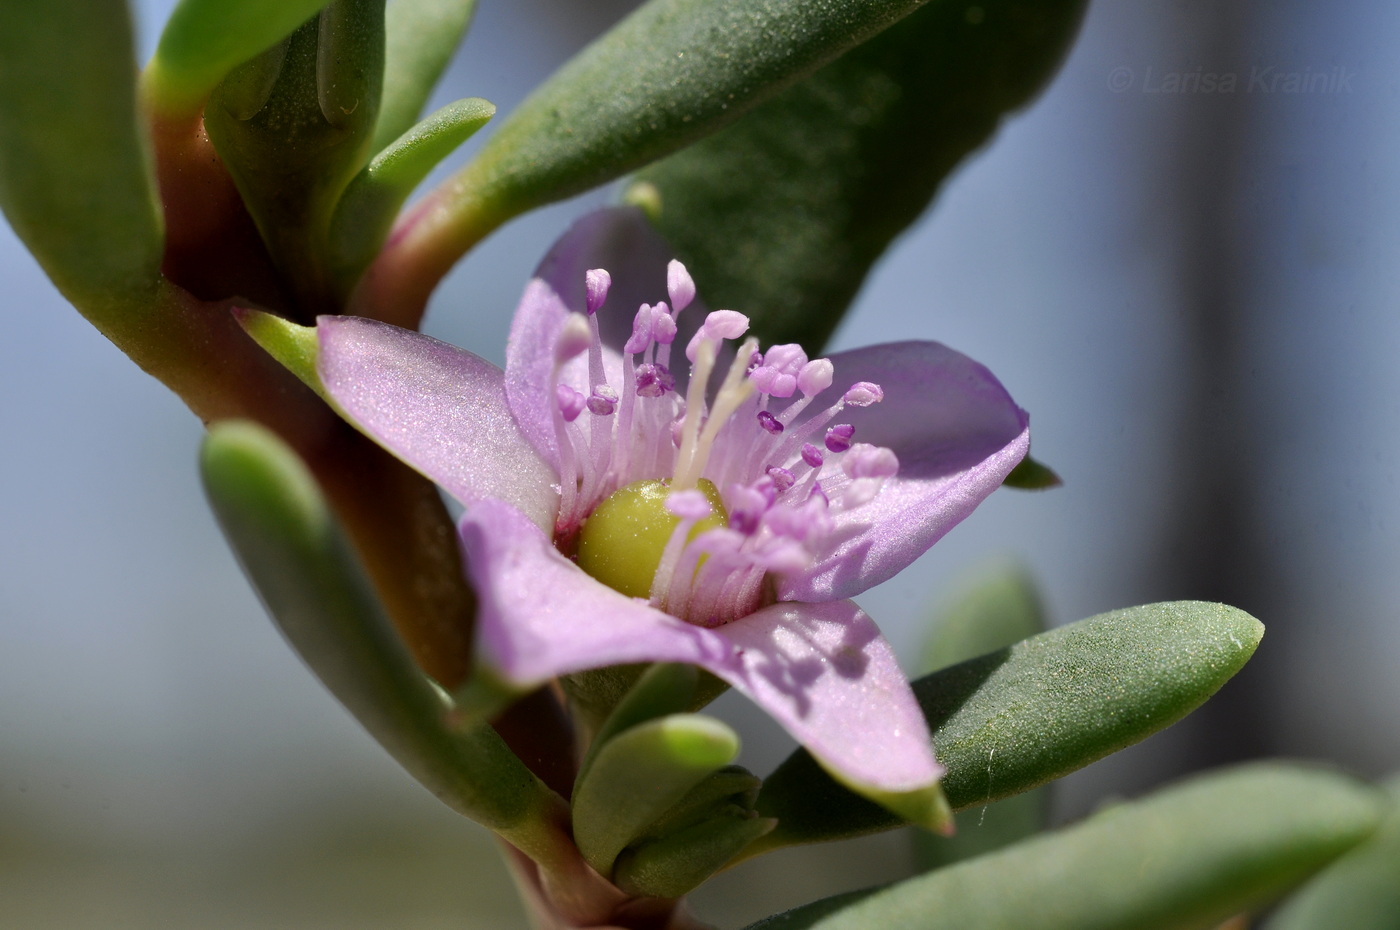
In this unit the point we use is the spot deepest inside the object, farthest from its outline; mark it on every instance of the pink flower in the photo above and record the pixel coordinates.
(729, 523)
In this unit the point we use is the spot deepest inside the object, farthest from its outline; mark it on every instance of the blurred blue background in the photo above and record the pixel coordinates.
(1193, 294)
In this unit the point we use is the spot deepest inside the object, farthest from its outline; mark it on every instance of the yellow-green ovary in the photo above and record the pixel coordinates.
(622, 541)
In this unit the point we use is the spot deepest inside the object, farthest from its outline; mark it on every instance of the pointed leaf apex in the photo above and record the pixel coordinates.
(1031, 475)
(295, 346)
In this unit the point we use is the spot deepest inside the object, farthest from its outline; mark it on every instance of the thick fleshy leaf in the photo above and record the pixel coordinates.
(439, 408)
(419, 39)
(205, 39)
(957, 434)
(662, 689)
(821, 670)
(299, 561)
(785, 212)
(293, 128)
(74, 178)
(674, 865)
(1185, 858)
(1360, 892)
(1019, 717)
(671, 73)
(641, 774)
(369, 205)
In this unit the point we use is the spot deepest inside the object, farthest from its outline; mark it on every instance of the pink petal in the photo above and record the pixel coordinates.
(439, 408)
(619, 240)
(821, 670)
(957, 434)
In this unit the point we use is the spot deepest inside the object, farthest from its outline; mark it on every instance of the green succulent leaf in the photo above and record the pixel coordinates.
(293, 126)
(784, 212)
(369, 205)
(730, 787)
(638, 775)
(1185, 858)
(75, 182)
(206, 39)
(662, 689)
(419, 39)
(1025, 715)
(297, 557)
(675, 864)
(1360, 892)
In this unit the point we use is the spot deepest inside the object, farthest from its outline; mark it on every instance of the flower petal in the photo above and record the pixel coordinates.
(957, 434)
(821, 670)
(439, 408)
(620, 240)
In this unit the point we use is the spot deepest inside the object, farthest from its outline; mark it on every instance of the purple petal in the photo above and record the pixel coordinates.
(821, 670)
(439, 408)
(957, 434)
(620, 240)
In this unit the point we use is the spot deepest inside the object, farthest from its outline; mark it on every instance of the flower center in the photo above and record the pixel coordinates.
(693, 502)
(624, 541)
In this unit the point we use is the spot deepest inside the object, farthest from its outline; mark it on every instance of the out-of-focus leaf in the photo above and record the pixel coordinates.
(995, 610)
(669, 74)
(369, 205)
(1022, 716)
(206, 39)
(297, 558)
(640, 774)
(419, 39)
(782, 214)
(74, 178)
(1187, 857)
(1360, 892)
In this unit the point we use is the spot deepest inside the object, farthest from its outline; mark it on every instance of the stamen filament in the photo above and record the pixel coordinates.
(685, 476)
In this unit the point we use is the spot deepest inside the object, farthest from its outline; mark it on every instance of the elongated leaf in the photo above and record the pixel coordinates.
(74, 178)
(369, 205)
(1187, 857)
(298, 560)
(419, 39)
(782, 214)
(1360, 892)
(205, 39)
(639, 775)
(671, 73)
(1020, 717)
